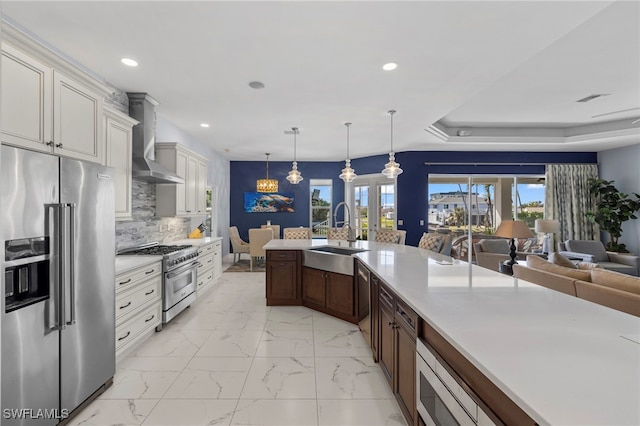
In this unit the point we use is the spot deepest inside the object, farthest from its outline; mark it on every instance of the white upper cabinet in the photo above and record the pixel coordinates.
(48, 104)
(27, 88)
(118, 139)
(188, 199)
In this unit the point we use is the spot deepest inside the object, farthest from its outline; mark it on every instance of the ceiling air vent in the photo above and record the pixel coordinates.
(592, 97)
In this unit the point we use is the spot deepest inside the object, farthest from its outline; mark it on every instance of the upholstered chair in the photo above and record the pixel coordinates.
(257, 239)
(390, 236)
(489, 253)
(237, 244)
(594, 251)
(297, 233)
(276, 230)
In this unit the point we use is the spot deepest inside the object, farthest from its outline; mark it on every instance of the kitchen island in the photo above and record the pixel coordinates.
(560, 359)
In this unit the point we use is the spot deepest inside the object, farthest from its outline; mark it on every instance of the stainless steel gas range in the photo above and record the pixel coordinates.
(179, 269)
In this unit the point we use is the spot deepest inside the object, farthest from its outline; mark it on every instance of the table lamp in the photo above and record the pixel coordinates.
(513, 229)
(547, 227)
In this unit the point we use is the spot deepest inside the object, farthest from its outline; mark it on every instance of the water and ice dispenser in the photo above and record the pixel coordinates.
(26, 273)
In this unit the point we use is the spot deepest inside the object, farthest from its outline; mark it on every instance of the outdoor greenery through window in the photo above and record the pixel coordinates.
(321, 212)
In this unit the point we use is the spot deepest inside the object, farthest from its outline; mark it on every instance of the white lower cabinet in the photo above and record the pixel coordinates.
(209, 265)
(138, 305)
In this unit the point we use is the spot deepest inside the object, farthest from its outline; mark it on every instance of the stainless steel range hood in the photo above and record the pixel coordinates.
(142, 107)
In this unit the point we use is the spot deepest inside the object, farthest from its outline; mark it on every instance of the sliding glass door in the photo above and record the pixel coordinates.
(375, 205)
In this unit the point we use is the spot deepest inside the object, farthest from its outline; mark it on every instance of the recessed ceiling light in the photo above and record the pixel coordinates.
(390, 66)
(205, 125)
(129, 62)
(256, 85)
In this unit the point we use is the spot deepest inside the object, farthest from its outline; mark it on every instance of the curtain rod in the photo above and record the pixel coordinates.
(475, 163)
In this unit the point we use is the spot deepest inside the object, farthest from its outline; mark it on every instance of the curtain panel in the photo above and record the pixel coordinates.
(567, 199)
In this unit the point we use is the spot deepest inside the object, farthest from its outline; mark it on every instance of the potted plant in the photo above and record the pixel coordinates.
(612, 209)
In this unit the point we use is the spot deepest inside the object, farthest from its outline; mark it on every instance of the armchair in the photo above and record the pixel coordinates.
(490, 252)
(593, 251)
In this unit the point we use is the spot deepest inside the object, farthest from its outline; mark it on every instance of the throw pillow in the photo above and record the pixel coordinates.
(587, 266)
(430, 242)
(616, 280)
(495, 246)
(536, 262)
(559, 259)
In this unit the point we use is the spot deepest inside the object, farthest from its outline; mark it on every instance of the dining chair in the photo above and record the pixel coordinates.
(297, 233)
(238, 245)
(390, 236)
(257, 239)
(276, 230)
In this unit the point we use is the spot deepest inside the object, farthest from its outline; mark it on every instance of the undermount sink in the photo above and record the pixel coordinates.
(331, 258)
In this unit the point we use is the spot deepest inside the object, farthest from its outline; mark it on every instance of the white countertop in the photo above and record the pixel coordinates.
(563, 360)
(194, 241)
(127, 263)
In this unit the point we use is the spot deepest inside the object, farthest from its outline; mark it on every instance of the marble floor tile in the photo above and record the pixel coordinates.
(234, 320)
(125, 412)
(340, 343)
(230, 359)
(357, 412)
(211, 378)
(192, 319)
(191, 412)
(136, 384)
(289, 318)
(280, 378)
(281, 412)
(327, 322)
(154, 363)
(173, 342)
(351, 378)
(231, 343)
(285, 343)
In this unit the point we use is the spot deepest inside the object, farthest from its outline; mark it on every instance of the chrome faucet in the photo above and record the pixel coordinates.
(347, 223)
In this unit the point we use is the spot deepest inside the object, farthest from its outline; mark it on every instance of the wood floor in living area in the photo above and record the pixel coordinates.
(231, 360)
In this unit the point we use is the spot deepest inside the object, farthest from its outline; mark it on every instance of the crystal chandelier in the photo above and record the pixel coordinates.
(267, 185)
(392, 169)
(294, 176)
(348, 174)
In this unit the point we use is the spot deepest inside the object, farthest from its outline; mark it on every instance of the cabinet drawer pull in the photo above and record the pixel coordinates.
(125, 282)
(406, 317)
(210, 260)
(149, 319)
(149, 292)
(125, 336)
(151, 271)
(50, 143)
(282, 264)
(122, 307)
(59, 145)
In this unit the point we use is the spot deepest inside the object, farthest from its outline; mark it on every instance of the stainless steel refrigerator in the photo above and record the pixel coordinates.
(58, 313)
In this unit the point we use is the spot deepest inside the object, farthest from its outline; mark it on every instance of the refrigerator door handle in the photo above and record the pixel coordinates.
(55, 308)
(72, 256)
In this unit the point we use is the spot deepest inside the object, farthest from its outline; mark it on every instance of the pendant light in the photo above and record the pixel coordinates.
(392, 169)
(348, 174)
(267, 185)
(294, 176)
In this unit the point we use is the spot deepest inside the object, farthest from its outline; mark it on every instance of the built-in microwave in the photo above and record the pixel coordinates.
(441, 399)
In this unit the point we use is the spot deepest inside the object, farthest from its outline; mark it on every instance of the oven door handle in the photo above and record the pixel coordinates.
(181, 270)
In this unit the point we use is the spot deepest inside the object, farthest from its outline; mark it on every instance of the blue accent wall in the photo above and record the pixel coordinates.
(412, 183)
(244, 175)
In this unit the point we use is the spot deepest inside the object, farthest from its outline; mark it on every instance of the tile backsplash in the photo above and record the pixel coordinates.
(145, 226)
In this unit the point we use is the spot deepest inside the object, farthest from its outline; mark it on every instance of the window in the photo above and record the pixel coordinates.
(320, 190)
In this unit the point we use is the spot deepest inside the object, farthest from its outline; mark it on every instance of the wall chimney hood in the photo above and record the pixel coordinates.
(142, 107)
